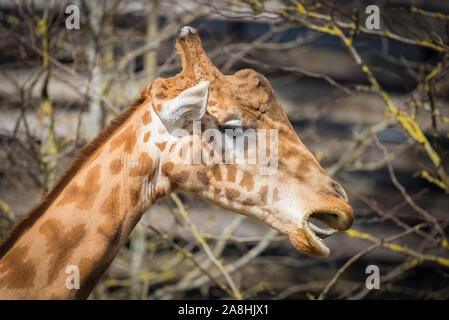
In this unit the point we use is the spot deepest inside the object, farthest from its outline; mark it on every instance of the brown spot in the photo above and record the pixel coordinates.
(263, 194)
(232, 171)
(161, 145)
(202, 178)
(172, 147)
(302, 170)
(217, 192)
(180, 178)
(83, 195)
(232, 193)
(216, 171)
(247, 181)
(115, 167)
(112, 227)
(146, 118)
(127, 138)
(146, 137)
(291, 152)
(158, 107)
(276, 194)
(145, 166)
(134, 195)
(16, 270)
(167, 167)
(248, 202)
(61, 245)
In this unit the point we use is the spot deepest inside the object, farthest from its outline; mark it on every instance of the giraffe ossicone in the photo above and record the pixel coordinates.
(89, 213)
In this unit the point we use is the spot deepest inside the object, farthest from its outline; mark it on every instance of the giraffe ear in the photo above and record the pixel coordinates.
(189, 105)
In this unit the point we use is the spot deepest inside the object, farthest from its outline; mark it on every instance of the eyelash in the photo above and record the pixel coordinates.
(224, 127)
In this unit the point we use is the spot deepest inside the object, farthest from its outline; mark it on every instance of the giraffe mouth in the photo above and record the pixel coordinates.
(318, 226)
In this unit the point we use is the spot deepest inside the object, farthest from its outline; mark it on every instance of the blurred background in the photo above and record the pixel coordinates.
(371, 104)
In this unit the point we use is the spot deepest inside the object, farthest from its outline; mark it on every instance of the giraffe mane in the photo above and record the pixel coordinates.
(80, 160)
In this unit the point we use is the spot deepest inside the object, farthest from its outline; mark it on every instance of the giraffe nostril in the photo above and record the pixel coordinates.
(340, 192)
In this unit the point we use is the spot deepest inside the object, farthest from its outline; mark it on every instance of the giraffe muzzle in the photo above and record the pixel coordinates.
(318, 225)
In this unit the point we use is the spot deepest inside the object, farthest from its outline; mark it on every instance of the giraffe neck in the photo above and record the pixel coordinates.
(84, 226)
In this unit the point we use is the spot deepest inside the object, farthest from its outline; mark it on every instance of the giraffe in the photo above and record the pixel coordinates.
(90, 211)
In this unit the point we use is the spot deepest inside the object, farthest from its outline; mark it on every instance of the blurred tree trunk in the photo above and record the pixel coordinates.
(137, 255)
(94, 119)
(150, 58)
(49, 144)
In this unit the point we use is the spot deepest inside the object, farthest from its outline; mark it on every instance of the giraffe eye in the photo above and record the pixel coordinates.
(233, 124)
(232, 128)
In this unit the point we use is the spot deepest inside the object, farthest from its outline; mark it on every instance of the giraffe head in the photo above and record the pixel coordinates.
(202, 107)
